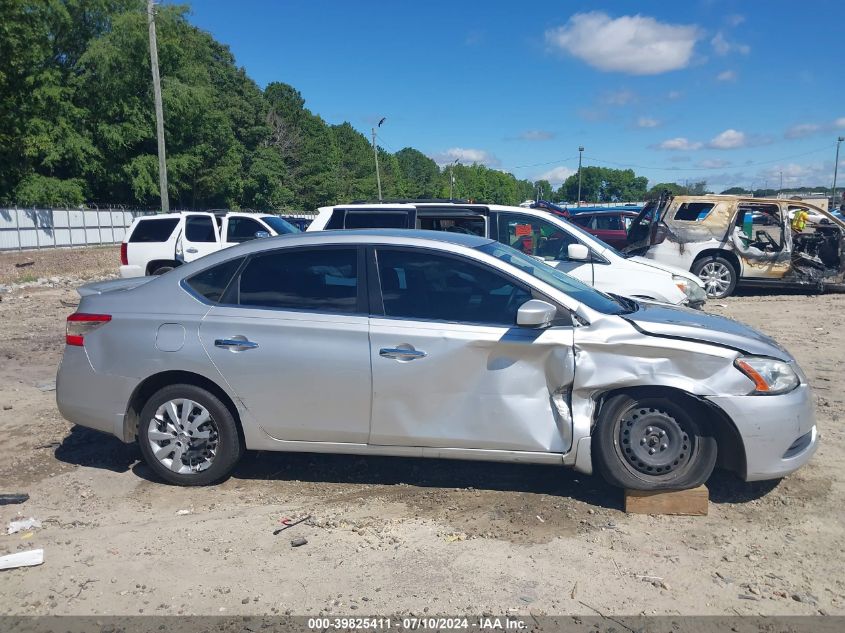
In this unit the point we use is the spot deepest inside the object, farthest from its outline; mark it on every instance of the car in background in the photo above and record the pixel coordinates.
(536, 232)
(298, 221)
(424, 344)
(731, 240)
(610, 226)
(156, 244)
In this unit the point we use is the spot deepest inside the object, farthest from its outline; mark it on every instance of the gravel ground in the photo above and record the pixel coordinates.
(389, 535)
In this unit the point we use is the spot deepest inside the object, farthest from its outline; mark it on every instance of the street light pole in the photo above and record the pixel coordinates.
(580, 152)
(162, 163)
(452, 179)
(836, 168)
(375, 153)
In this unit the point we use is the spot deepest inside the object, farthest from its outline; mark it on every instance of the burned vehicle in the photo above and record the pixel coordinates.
(730, 240)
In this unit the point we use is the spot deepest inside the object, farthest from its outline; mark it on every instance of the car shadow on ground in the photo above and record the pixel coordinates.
(86, 447)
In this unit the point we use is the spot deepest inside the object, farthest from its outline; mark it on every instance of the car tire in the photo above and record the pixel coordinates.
(162, 269)
(652, 443)
(718, 274)
(204, 438)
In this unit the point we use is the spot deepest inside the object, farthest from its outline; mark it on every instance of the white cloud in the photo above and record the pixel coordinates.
(557, 175)
(618, 98)
(647, 122)
(801, 130)
(536, 135)
(729, 139)
(726, 75)
(713, 163)
(734, 20)
(679, 143)
(674, 95)
(633, 44)
(722, 46)
(466, 155)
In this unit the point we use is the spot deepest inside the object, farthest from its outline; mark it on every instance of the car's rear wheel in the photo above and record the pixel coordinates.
(652, 443)
(718, 274)
(188, 437)
(162, 269)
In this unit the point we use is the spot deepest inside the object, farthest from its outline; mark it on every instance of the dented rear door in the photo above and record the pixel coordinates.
(451, 370)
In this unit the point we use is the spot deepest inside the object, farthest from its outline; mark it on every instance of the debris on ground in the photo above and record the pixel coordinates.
(23, 525)
(289, 523)
(298, 542)
(10, 498)
(46, 386)
(24, 264)
(181, 513)
(29, 558)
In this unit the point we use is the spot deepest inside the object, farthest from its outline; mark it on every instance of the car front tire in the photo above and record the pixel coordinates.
(718, 274)
(652, 443)
(188, 437)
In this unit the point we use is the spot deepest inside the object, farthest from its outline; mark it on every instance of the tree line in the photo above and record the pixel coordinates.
(77, 125)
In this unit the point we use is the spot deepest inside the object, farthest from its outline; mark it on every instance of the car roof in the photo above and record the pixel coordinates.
(605, 212)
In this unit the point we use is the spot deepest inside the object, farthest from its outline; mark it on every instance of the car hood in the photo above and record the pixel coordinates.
(684, 323)
(101, 287)
(675, 270)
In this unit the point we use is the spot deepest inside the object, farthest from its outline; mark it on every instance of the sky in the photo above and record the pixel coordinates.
(735, 93)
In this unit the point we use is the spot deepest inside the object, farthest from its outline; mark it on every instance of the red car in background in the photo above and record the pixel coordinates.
(610, 226)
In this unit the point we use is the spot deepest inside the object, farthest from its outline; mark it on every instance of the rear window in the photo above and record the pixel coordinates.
(694, 211)
(376, 220)
(212, 282)
(153, 230)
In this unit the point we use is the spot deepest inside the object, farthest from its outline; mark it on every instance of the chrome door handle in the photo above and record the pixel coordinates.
(191, 250)
(401, 354)
(235, 344)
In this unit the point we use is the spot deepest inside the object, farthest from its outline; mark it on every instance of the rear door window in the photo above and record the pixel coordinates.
(153, 230)
(319, 280)
(200, 228)
(607, 223)
(466, 225)
(427, 286)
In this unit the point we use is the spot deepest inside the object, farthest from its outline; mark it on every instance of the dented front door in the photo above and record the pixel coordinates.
(452, 385)
(452, 370)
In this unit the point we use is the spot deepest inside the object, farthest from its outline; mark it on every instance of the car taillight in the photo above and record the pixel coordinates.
(124, 258)
(79, 324)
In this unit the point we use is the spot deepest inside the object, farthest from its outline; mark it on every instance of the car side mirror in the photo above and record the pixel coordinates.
(536, 313)
(578, 252)
(260, 234)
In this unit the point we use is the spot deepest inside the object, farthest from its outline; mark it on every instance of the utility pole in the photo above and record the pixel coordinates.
(781, 181)
(452, 180)
(580, 152)
(162, 164)
(836, 169)
(375, 153)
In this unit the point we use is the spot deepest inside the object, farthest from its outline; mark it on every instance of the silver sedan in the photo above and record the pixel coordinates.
(424, 344)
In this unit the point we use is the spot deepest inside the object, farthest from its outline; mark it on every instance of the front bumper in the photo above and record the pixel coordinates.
(778, 432)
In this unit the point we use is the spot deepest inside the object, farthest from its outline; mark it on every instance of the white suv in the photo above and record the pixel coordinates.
(534, 232)
(155, 244)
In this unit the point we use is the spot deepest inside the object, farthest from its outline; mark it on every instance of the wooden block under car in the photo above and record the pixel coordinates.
(687, 502)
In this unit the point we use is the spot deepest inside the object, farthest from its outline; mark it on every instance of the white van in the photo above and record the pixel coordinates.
(534, 232)
(155, 244)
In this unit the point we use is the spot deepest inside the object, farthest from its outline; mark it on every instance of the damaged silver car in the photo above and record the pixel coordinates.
(424, 344)
(730, 240)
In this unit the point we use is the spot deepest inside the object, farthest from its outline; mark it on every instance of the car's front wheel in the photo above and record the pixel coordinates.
(651, 443)
(718, 274)
(188, 437)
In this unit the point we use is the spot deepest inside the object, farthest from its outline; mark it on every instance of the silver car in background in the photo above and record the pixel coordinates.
(424, 344)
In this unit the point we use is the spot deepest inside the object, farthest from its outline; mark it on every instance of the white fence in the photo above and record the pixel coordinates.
(50, 228)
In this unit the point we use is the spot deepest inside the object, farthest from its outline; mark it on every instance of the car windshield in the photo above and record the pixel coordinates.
(570, 286)
(279, 225)
(589, 239)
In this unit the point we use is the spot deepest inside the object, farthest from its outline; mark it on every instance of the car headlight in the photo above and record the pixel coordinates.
(694, 292)
(770, 376)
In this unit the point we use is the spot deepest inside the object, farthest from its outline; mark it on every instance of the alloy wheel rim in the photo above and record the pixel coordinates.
(653, 442)
(183, 436)
(716, 277)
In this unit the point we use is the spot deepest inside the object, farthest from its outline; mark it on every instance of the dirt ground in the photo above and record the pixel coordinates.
(402, 536)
